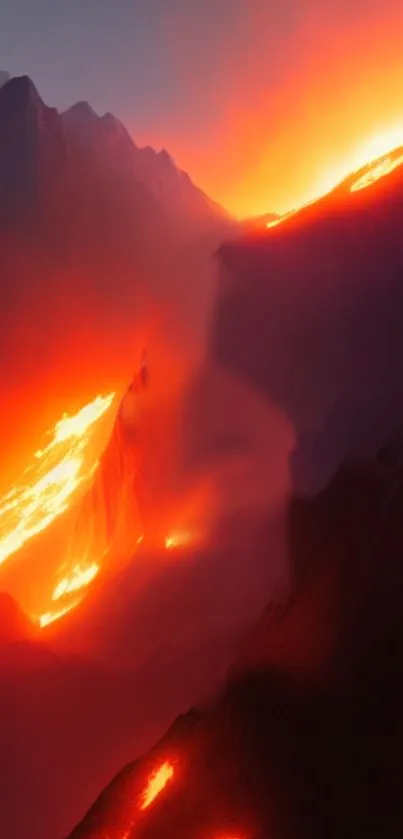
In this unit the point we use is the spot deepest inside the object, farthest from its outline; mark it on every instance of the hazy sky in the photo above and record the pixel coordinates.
(263, 102)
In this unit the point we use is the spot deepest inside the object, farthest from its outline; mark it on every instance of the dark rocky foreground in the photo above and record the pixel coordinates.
(306, 738)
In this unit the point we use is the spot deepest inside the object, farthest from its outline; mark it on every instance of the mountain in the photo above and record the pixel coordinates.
(316, 305)
(93, 242)
(54, 708)
(108, 139)
(103, 684)
(305, 740)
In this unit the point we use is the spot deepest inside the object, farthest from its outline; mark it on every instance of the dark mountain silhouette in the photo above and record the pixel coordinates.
(306, 738)
(316, 307)
(108, 138)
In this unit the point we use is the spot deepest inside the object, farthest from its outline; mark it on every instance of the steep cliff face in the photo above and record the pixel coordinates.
(316, 307)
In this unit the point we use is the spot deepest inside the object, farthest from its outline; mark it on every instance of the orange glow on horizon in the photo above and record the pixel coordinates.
(291, 128)
(156, 783)
(375, 168)
(379, 169)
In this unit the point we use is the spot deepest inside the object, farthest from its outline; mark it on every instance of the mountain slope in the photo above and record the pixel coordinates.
(305, 741)
(316, 305)
(90, 258)
(107, 138)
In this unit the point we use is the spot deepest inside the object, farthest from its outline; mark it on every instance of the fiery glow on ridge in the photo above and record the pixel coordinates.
(282, 218)
(156, 783)
(48, 484)
(378, 170)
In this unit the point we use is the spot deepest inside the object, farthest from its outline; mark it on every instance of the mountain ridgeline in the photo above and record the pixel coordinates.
(97, 238)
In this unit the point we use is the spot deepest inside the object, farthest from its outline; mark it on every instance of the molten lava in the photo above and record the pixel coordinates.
(50, 617)
(77, 578)
(282, 218)
(156, 783)
(378, 170)
(48, 484)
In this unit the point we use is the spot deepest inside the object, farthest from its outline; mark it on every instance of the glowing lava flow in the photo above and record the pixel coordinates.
(156, 783)
(282, 218)
(48, 484)
(378, 170)
(77, 578)
(50, 617)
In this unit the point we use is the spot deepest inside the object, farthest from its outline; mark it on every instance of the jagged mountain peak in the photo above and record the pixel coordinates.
(109, 138)
(80, 110)
(21, 91)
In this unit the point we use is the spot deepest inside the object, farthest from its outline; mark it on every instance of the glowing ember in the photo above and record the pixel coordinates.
(378, 170)
(179, 538)
(50, 617)
(77, 578)
(48, 484)
(156, 783)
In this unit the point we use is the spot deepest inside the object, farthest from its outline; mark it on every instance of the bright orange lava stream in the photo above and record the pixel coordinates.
(47, 485)
(78, 578)
(378, 170)
(373, 171)
(282, 218)
(156, 783)
(50, 617)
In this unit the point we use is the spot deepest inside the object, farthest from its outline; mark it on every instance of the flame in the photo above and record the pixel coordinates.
(376, 171)
(156, 783)
(49, 483)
